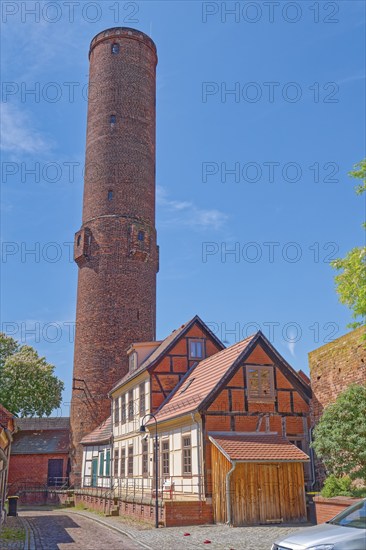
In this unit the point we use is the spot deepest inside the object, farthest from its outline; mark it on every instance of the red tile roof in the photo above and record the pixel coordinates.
(101, 434)
(201, 380)
(258, 447)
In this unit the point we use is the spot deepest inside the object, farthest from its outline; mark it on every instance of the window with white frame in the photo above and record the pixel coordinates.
(123, 409)
(145, 458)
(196, 348)
(108, 463)
(187, 455)
(132, 361)
(116, 462)
(142, 399)
(116, 411)
(130, 461)
(165, 457)
(101, 464)
(123, 463)
(260, 383)
(130, 405)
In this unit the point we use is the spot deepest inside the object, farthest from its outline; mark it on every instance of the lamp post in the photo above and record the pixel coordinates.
(143, 431)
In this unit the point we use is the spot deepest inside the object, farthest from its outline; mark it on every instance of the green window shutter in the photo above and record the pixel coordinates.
(108, 463)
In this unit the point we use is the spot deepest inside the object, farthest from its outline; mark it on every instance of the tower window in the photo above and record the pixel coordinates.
(115, 48)
(78, 240)
(112, 119)
(141, 236)
(110, 195)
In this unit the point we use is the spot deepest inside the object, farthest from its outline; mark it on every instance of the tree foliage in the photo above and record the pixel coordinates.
(351, 281)
(359, 172)
(340, 436)
(28, 385)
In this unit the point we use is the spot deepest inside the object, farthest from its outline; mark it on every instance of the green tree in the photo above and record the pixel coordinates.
(28, 385)
(351, 281)
(340, 436)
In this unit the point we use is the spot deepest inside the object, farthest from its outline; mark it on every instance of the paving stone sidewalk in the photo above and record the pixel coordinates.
(126, 535)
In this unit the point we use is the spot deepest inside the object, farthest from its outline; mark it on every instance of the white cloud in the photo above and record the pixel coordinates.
(186, 213)
(17, 133)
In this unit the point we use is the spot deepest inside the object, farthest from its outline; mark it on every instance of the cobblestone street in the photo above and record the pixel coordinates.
(74, 530)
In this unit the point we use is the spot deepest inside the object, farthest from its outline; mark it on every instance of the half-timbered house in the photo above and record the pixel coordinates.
(232, 427)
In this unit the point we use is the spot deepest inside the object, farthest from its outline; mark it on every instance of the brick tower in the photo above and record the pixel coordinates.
(115, 249)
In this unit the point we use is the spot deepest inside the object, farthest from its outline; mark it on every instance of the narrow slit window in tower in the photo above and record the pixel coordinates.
(141, 236)
(78, 240)
(112, 119)
(115, 48)
(110, 195)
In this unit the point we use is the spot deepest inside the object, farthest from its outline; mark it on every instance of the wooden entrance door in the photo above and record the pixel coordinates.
(269, 496)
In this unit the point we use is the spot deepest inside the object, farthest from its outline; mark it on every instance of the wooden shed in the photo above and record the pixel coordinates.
(257, 479)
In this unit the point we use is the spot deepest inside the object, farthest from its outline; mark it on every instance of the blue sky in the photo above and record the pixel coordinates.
(289, 131)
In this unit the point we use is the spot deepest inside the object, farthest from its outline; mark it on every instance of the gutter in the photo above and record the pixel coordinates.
(228, 501)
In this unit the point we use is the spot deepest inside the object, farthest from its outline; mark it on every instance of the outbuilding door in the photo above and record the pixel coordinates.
(268, 489)
(55, 471)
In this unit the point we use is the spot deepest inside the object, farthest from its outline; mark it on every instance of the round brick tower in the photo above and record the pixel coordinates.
(115, 249)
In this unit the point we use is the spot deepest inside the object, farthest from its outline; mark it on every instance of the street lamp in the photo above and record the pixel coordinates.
(143, 431)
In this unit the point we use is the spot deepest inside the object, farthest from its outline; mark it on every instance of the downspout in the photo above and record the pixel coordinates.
(198, 457)
(312, 458)
(228, 501)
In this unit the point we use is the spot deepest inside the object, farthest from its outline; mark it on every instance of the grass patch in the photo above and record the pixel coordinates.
(9, 534)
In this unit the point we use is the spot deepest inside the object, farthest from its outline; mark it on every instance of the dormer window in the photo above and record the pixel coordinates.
(115, 48)
(133, 361)
(196, 348)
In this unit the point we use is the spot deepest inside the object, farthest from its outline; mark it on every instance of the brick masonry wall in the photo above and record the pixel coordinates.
(32, 468)
(327, 508)
(116, 248)
(172, 513)
(335, 366)
(187, 513)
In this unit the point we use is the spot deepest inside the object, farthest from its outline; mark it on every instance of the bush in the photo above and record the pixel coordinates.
(337, 486)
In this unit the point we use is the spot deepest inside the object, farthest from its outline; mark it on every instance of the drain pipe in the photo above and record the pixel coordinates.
(312, 458)
(198, 457)
(228, 502)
